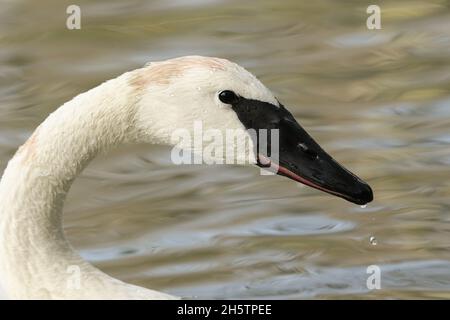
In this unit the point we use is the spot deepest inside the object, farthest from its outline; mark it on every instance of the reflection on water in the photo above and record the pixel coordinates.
(379, 101)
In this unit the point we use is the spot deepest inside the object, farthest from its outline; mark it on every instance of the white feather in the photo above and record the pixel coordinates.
(144, 105)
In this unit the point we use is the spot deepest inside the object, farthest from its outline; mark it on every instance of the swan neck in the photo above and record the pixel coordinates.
(34, 254)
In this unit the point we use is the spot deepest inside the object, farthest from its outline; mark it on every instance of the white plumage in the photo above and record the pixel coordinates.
(144, 105)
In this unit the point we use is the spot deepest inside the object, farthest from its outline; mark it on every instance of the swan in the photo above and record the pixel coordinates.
(141, 106)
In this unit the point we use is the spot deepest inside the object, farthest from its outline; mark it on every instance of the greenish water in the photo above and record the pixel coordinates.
(377, 100)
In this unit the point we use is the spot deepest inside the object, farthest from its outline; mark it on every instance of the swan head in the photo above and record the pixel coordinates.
(197, 103)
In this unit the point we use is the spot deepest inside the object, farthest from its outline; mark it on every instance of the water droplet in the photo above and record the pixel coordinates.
(364, 206)
(373, 241)
(199, 88)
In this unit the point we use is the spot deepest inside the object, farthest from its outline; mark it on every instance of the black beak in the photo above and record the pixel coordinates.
(299, 156)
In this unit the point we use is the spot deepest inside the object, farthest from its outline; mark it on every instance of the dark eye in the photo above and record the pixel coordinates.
(228, 97)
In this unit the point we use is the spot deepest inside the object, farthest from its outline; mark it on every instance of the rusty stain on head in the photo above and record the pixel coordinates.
(161, 73)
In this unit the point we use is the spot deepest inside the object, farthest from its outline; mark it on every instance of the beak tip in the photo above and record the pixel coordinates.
(365, 195)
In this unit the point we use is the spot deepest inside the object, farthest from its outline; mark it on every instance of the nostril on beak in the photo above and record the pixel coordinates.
(304, 148)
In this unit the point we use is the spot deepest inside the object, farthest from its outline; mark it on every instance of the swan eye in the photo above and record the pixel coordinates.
(228, 97)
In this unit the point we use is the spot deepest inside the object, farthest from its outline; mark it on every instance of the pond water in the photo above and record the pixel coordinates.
(377, 100)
